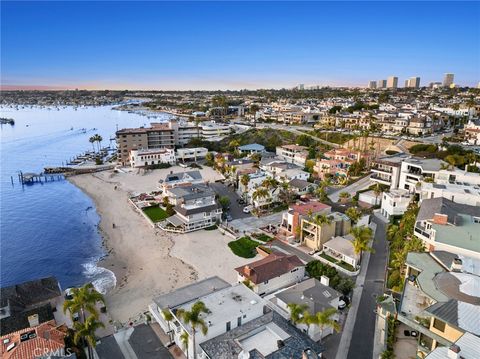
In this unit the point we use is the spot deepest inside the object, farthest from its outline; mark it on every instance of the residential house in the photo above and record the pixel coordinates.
(301, 187)
(181, 179)
(270, 336)
(293, 154)
(414, 170)
(419, 126)
(28, 304)
(395, 203)
(386, 170)
(142, 158)
(466, 347)
(191, 154)
(445, 225)
(341, 248)
(41, 340)
(195, 208)
(439, 298)
(314, 234)
(229, 307)
(277, 270)
(316, 296)
(463, 194)
(472, 132)
(251, 148)
(290, 227)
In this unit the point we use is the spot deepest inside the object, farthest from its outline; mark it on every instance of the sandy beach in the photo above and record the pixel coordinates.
(139, 255)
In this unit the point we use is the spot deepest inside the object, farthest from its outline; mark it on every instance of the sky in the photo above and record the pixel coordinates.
(235, 45)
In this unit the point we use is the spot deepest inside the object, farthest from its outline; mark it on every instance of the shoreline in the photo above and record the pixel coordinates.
(138, 255)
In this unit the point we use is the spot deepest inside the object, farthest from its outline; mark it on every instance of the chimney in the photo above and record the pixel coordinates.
(33, 320)
(456, 265)
(439, 218)
(325, 280)
(248, 271)
(454, 352)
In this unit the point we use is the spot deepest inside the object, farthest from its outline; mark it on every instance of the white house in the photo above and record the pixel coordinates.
(191, 154)
(228, 307)
(341, 248)
(141, 157)
(458, 193)
(277, 270)
(395, 202)
(293, 153)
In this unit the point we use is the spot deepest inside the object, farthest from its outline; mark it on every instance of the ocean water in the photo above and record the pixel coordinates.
(51, 228)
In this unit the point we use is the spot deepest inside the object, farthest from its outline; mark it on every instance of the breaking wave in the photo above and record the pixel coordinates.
(102, 279)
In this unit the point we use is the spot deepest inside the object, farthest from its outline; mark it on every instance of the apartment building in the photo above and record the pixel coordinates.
(315, 233)
(277, 270)
(420, 126)
(212, 130)
(337, 162)
(445, 225)
(195, 208)
(142, 158)
(293, 153)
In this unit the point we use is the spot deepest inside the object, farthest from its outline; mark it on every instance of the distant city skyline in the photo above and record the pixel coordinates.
(230, 45)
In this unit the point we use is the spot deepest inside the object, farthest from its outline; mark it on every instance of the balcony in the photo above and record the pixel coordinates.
(422, 231)
(382, 180)
(376, 168)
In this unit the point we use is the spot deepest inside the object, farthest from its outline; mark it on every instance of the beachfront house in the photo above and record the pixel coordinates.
(195, 208)
(277, 270)
(179, 179)
(144, 158)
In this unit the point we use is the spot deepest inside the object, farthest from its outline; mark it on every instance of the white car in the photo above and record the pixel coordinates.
(247, 209)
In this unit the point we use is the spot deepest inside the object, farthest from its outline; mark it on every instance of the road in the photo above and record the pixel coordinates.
(352, 189)
(361, 344)
(236, 210)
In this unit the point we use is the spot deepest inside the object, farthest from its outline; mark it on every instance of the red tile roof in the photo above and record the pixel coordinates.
(269, 267)
(48, 338)
(312, 206)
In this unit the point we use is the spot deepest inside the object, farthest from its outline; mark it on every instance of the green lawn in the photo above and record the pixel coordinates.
(262, 237)
(155, 213)
(244, 247)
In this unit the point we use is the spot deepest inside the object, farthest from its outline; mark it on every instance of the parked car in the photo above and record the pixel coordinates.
(342, 304)
(247, 209)
(229, 218)
(69, 293)
(311, 253)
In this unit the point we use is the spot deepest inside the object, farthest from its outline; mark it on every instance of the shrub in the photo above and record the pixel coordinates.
(211, 228)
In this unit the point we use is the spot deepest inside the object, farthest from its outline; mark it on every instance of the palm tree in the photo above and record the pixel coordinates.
(244, 180)
(92, 141)
(344, 196)
(324, 319)
(308, 319)
(269, 183)
(391, 231)
(321, 219)
(168, 316)
(83, 299)
(260, 192)
(353, 213)
(296, 312)
(99, 140)
(377, 190)
(193, 318)
(361, 237)
(86, 332)
(184, 338)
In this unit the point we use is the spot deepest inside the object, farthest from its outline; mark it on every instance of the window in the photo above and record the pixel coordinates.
(266, 282)
(239, 321)
(439, 325)
(228, 326)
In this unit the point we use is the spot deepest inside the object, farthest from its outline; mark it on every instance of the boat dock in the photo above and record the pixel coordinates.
(30, 178)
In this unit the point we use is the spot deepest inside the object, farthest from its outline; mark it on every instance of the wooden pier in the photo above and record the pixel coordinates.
(31, 178)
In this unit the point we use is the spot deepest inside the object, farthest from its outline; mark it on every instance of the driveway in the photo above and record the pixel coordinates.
(236, 210)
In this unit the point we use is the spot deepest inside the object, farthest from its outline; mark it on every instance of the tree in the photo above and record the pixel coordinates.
(361, 238)
(353, 213)
(234, 144)
(256, 157)
(344, 196)
(168, 316)
(184, 338)
(194, 319)
(84, 299)
(270, 183)
(259, 193)
(224, 202)
(85, 331)
(209, 158)
(92, 141)
(324, 320)
(286, 195)
(244, 180)
(321, 219)
(377, 190)
(296, 312)
(308, 319)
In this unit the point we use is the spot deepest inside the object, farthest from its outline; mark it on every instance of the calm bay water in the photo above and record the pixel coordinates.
(51, 228)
